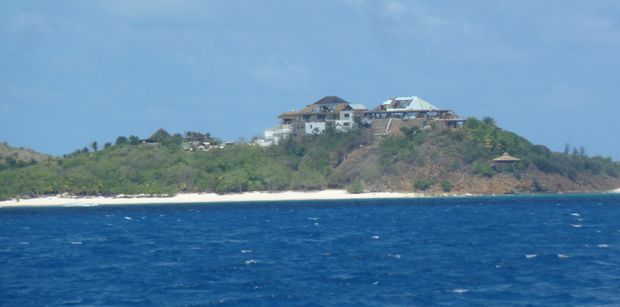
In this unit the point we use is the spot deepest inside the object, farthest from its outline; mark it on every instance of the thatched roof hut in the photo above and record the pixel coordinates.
(506, 158)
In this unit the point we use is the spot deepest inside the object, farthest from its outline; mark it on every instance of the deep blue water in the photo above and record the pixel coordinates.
(543, 250)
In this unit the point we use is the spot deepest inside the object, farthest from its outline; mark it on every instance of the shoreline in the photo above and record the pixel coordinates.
(209, 198)
(196, 198)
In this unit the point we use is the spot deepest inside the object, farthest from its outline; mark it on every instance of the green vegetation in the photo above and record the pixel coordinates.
(413, 159)
(356, 188)
(446, 186)
(483, 169)
(423, 184)
(13, 158)
(130, 167)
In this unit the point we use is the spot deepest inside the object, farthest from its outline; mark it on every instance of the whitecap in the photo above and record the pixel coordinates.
(316, 224)
(313, 218)
(375, 283)
(530, 256)
(397, 256)
(128, 218)
(376, 237)
(246, 251)
(76, 242)
(575, 214)
(24, 243)
(576, 225)
(562, 256)
(603, 245)
(460, 291)
(251, 261)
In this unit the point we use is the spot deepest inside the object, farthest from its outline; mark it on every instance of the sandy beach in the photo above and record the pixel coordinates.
(186, 198)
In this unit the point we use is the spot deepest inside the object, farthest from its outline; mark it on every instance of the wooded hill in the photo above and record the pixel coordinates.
(433, 161)
(12, 157)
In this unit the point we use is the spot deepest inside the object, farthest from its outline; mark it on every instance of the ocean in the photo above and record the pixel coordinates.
(488, 251)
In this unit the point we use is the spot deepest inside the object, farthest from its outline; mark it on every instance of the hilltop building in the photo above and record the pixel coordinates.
(329, 111)
(334, 112)
(274, 135)
(395, 113)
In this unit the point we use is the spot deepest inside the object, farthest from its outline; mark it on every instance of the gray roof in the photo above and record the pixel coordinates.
(330, 100)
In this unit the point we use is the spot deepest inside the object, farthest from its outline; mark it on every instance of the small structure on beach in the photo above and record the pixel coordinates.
(506, 159)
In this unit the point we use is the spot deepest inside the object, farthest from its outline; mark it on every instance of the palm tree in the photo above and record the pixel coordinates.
(94, 146)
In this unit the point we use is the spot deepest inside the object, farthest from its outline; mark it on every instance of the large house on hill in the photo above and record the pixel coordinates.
(334, 112)
(329, 111)
(395, 113)
(408, 107)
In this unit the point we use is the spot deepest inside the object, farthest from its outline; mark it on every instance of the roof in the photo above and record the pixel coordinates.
(331, 100)
(289, 114)
(506, 158)
(339, 107)
(413, 103)
(357, 106)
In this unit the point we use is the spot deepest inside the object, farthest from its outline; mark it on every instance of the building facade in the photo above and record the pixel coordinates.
(328, 112)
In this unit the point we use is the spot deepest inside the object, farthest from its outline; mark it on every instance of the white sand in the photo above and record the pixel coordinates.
(200, 198)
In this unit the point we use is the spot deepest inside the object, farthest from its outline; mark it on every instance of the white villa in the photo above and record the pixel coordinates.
(335, 112)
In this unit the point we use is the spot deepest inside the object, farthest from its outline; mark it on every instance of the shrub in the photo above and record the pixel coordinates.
(446, 185)
(423, 184)
(484, 169)
(547, 165)
(356, 188)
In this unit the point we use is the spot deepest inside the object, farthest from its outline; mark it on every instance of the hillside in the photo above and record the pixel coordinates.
(434, 161)
(12, 157)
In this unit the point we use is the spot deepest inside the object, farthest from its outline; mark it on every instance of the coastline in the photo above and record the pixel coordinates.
(207, 198)
(189, 198)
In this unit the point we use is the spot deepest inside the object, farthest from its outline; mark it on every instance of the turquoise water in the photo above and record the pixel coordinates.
(542, 250)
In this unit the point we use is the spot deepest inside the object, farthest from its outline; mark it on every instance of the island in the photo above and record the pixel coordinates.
(403, 147)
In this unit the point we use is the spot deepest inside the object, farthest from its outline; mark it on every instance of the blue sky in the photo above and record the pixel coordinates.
(76, 71)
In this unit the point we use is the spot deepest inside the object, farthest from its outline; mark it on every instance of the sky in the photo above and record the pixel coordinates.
(73, 72)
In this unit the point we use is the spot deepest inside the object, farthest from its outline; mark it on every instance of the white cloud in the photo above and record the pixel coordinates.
(393, 9)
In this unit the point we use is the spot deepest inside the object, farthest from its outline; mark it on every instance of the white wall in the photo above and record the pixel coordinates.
(315, 127)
